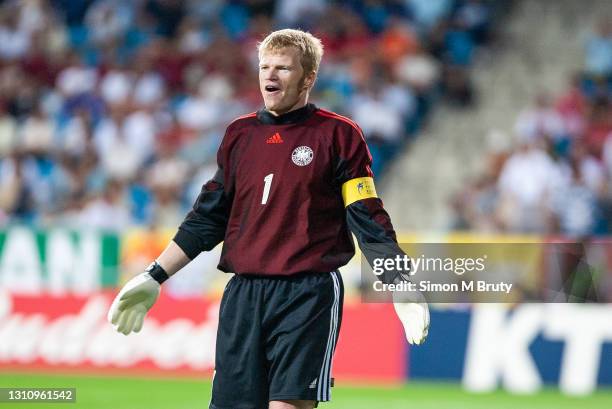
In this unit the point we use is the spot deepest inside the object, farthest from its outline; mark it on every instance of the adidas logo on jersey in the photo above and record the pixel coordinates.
(313, 384)
(276, 138)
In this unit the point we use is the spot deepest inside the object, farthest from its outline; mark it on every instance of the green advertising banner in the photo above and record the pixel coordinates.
(58, 260)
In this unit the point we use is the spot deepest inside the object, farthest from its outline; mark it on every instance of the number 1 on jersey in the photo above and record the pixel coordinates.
(267, 185)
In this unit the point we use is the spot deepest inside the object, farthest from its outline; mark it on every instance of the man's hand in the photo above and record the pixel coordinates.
(133, 302)
(414, 315)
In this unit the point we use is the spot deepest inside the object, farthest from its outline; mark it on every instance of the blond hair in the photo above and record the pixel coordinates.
(309, 46)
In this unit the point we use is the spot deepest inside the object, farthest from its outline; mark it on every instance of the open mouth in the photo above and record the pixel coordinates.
(272, 89)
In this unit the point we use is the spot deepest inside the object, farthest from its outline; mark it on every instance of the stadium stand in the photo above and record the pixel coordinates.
(546, 84)
(111, 111)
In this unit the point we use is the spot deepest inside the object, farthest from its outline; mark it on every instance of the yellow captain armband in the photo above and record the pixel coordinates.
(358, 189)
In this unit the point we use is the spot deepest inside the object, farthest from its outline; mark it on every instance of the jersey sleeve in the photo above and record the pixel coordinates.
(365, 215)
(353, 158)
(204, 226)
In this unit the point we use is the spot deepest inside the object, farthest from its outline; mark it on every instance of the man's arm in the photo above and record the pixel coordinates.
(173, 258)
(365, 215)
(201, 230)
(204, 226)
(131, 305)
(371, 225)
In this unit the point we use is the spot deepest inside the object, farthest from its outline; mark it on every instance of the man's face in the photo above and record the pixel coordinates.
(281, 80)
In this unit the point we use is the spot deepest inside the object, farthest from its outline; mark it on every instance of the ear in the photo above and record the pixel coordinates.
(309, 80)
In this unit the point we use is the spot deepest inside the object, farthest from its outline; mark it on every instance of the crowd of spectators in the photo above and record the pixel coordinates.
(111, 111)
(556, 178)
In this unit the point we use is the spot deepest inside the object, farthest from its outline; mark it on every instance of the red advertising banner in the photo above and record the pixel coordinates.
(70, 333)
(371, 346)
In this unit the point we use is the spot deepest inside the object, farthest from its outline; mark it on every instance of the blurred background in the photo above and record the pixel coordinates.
(488, 121)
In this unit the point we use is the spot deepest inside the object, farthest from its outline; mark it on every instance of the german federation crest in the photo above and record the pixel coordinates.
(302, 155)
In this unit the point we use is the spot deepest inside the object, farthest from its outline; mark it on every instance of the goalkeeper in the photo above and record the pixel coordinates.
(293, 182)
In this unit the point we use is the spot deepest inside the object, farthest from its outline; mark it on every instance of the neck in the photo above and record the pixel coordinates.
(301, 103)
(287, 117)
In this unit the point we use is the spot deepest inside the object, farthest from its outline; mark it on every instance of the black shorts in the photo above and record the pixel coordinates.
(276, 339)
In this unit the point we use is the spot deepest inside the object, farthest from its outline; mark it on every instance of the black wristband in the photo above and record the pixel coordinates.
(157, 272)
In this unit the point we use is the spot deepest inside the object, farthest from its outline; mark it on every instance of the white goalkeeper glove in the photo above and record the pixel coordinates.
(414, 317)
(135, 299)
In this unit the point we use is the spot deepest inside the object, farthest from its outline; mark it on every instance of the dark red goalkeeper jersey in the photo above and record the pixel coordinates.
(276, 200)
